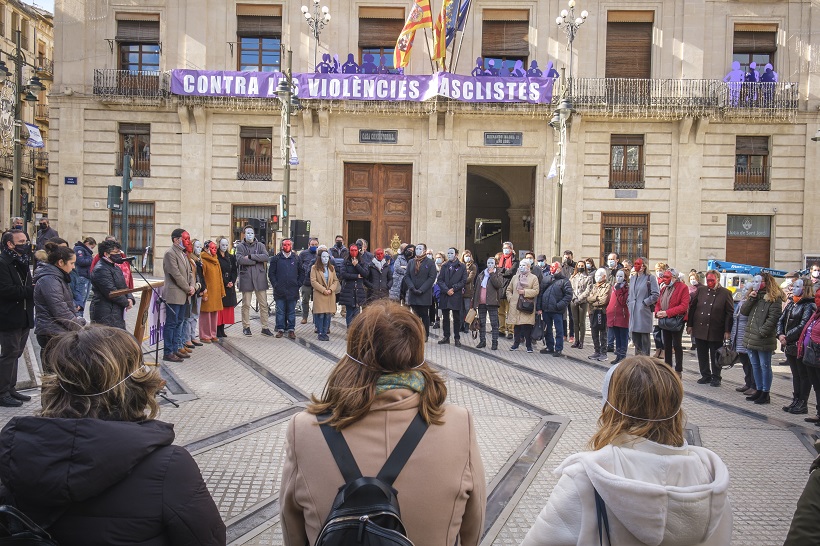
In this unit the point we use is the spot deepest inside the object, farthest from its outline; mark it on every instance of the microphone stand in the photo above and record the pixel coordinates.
(160, 301)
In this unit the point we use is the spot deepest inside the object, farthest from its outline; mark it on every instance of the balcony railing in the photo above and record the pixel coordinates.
(44, 67)
(753, 179)
(759, 99)
(140, 168)
(41, 112)
(40, 160)
(40, 203)
(27, 171)
(254, 168)
(626, 179)
(130, 83)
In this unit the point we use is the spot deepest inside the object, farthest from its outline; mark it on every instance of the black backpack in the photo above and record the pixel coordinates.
(16, 528)
(366, 510)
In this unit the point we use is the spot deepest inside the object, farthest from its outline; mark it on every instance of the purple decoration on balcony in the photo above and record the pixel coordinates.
(534, 71)
(368, 66)
(350, 67)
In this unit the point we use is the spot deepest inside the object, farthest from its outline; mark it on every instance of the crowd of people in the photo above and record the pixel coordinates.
(98, 396)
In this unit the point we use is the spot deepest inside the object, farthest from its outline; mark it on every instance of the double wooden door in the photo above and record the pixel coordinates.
(377, 202)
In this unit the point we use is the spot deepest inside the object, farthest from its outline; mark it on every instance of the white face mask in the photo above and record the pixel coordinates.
(797, 289)
(542, 264)
(506, 251)
(325, 258)
(468, 259)
(249, 235)
(451, 255)
(693, 282)
(523, 269)
(611, 264)
(620, 276)
(659, 274)
(815, 273)
(757, 283)
(491, 263)
(419, 251)
(223, 245)
(198, 248)
(438, 261)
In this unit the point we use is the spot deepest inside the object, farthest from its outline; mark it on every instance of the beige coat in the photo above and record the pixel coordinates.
(179, 278)
(323, 303)
(514, 316)
(441, 488)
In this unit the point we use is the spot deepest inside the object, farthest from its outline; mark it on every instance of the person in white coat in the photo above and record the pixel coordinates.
(653, 487)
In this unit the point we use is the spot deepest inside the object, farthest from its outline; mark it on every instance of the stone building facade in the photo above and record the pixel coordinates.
(36, 28)
(663, 158)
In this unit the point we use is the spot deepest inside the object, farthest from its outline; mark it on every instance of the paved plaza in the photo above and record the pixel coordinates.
(531, 411)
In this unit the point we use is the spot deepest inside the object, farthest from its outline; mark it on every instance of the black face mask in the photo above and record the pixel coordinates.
(117, 258)
(23, 250)
(44, 226)
(339, 244)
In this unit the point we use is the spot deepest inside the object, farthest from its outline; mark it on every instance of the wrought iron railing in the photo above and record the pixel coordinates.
(41, 203)
(254, 168)
(130, 83)
(140, 168)
(626, 179)
(41, 111)
(27, 171)
(743, 99)
(753, 179)
(44, 66)
(40, 160)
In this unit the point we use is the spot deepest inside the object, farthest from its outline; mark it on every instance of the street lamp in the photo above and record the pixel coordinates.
(561, 119)
(290, 103)
(33, 86)
(316, 21)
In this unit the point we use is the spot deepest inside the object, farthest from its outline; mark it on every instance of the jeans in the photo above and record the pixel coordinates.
(707, 355)
(641, 343)
(554, 343)
(673, 341)
(192, 331)
(322, 321)
(423, 312)
(577, 318)
(285, 315)
(597, 323)
(748, 376)
(306, 292)
(262, 301)
(762, 369)
(570, 326)
(483, 310)
(657, 336)
(172, 332)
(351, 313)
(80, 288)
(456, 323)
(12, 345)
(620, 339)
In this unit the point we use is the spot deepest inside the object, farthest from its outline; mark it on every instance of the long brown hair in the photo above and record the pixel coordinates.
(773, 290)
(386, 338)
(644, 400)
(91, 377)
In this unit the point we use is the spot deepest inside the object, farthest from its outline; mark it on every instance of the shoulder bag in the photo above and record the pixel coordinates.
(525, 305)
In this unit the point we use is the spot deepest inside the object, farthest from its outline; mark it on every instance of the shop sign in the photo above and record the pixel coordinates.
(378, 136)
(749, 226)
(503, 139)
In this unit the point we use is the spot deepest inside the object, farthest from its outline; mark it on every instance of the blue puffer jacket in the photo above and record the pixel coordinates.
(84, 258)
(286, 276)
(556, 293)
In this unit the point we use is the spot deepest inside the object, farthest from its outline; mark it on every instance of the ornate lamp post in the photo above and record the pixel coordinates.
(316, 21)
(561, 119)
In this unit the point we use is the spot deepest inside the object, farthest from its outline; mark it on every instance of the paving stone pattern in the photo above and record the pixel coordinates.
(508, 393)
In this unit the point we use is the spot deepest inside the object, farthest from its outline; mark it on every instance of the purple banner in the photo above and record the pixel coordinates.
(384, 87)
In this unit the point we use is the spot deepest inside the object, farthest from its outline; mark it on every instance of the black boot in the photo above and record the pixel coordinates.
(220, 331)
(788, 408)
(755, 396)
(764, 398)
(800, 408)
(481, 344)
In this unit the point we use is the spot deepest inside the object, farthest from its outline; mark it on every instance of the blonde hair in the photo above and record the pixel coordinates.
(644, 400)
(773, 290)
(385, 338)
(90, 378)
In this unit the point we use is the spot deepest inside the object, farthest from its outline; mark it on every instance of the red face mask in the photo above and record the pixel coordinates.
(186, 242)
(379, 254)
(711, 281)
(667, 277)
(286, 246)
(212, 249)
(639, 265)
(354, 251)
(555, 267)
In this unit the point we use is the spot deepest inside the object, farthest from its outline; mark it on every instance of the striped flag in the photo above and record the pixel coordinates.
(463, 10)
(444, 23)
(420, 17)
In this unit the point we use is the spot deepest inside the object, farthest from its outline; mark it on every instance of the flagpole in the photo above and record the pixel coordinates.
(429, 54)
(461, 42)
(456, 9)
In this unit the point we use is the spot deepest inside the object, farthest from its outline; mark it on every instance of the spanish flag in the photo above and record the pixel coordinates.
(420, 17)
(444, 23)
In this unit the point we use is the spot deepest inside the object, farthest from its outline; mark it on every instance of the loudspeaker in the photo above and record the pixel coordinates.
(300, 233)
(260, 227)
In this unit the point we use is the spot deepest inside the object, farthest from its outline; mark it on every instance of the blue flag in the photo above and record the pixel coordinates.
(458, 24)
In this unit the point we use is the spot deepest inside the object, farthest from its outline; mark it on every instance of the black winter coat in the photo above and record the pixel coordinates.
(556, 293)
(453, 275)
(420, 285)
(378, 283)
(791, 322)
(16, 295)
(84, 257)
(54, 302)
(307, 259)
(507, 273)
(107, 482)
(286, 276)
(352, 277)
(105, 278)
(229, 273)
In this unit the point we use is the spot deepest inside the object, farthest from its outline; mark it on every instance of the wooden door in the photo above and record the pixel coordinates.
(382, 195)
(748, 250)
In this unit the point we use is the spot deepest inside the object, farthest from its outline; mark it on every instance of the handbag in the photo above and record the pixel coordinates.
(475, 326)
(673, 324)
(811, 354)
(17, 528)
(726, 356)
(537, 329)
(525, 306)
(471, 315)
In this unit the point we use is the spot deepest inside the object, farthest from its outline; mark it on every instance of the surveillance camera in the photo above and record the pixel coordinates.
(816, 136)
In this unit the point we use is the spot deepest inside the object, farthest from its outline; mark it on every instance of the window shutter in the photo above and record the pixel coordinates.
(379, 32)
(505, 39)
(139, 32)
(754, 42)
(258, 26)
(629, 50)
(626, 140)
(135, 129)
(256, 132)
(752, 145)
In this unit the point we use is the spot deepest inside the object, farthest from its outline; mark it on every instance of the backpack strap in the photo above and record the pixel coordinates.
(407, 444)
(340, 450)
(600, 508)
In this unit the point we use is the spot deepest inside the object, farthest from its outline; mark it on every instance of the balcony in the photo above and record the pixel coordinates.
(116, 85)
(40, 204)
(626, 179)
(140, 167)
(254, 168)
(40, 161)
(41, 113)
(44, 67)
(759, 100)
(752, 179)
(27, 171)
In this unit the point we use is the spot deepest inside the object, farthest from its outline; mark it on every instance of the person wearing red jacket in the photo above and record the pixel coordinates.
(673, 302)
(617, 314)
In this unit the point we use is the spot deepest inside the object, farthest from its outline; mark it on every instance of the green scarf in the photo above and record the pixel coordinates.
(413, 380)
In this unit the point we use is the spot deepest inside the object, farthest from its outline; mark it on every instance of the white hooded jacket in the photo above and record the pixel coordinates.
(655, 494)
